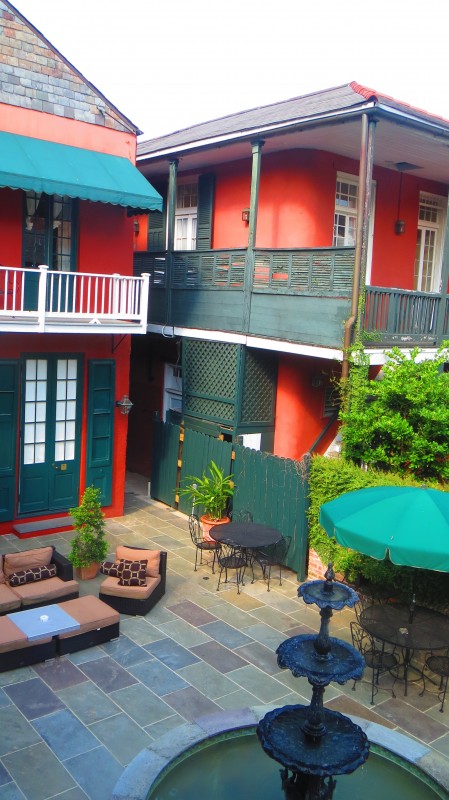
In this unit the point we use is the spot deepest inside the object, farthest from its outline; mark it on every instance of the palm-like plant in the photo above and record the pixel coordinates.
(211, 490)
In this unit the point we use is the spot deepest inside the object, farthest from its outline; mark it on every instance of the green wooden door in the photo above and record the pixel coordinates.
(9, 371)
(100, 427)
(51, 429)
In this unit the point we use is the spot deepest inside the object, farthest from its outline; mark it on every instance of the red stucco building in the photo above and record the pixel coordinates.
(283, 229)
(68, 299)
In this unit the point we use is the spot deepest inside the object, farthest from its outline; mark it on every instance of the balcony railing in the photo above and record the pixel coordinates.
(302, 270)
(400, 316)
(49, 301)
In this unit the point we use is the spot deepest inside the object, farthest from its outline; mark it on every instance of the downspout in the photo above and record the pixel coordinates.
(350, 322)
(171, 209)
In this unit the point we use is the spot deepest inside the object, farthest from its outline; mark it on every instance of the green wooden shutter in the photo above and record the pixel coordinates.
(157, 222)
(9, 371)
(100, 427)
(206, 187)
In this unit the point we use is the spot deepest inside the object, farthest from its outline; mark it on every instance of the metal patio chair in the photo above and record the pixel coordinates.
(202, 545)
(231, 558)
(273, 556)
(376, 658)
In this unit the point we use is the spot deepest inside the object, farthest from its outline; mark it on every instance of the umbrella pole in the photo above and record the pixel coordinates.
(413, 598)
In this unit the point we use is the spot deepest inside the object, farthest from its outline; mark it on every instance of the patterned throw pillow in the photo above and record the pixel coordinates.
(32, 574)
(132, 573)
(111, 568)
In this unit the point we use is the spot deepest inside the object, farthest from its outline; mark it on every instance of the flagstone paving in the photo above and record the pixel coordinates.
(70, 726)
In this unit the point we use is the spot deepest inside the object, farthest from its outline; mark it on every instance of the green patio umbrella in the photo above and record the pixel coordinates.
(409, 524)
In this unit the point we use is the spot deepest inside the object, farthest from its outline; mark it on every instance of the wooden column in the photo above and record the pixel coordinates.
(253, 209)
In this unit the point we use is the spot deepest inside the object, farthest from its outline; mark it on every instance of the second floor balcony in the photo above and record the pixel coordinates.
(298, 295)
(45, 301)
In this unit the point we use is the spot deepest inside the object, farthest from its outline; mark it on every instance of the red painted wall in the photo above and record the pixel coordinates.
(14, 345)
(105, 239)
(26, 122)
(296, 208)
(299, 406)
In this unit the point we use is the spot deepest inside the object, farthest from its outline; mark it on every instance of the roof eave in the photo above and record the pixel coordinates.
(255, 133)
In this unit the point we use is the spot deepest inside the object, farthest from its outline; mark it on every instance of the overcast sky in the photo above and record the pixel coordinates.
(168, 64)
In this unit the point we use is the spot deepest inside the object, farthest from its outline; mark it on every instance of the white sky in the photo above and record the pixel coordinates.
(168, 64)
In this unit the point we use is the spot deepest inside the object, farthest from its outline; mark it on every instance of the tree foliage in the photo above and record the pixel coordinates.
(399, 423)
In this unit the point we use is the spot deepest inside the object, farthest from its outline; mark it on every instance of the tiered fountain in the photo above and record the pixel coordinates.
(313, 744)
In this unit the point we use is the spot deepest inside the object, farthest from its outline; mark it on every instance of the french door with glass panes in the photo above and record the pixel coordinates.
(50, 433)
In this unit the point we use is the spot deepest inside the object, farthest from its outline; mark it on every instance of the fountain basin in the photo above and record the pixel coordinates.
(409, 763)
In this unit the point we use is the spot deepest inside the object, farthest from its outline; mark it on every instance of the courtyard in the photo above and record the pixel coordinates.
(69, 727)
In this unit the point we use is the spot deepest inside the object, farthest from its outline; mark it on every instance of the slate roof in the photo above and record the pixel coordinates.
(348, 97)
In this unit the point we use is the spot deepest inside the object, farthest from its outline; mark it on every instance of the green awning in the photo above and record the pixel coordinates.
(53, 168)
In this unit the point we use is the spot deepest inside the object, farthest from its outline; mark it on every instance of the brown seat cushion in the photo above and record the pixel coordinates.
(12, 638)
(43, 591)
(16, 562)
(134, 554)
(9, 600)
(90, 612)
(111, 586)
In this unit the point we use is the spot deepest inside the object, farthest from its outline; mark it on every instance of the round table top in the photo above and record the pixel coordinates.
(245, 534)
(390, 622)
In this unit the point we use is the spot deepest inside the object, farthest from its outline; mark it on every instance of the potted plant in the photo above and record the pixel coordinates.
(211, 491)
(89, 546)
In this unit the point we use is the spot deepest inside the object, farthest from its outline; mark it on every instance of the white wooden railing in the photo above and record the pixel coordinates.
(56, 300)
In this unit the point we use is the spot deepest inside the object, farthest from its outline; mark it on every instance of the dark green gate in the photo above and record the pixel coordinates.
(197, 452)
(275, 491)
(165, 461)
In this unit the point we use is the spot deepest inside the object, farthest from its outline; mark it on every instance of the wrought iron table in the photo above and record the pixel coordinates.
(247, 535)
(422, 629)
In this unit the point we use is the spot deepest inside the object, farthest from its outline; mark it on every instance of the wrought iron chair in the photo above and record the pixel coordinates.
(202, 545)
(439, 665)
(229, 558)
(376, 658)
(272, 556)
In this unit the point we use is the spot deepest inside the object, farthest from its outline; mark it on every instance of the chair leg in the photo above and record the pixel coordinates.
(443, 680)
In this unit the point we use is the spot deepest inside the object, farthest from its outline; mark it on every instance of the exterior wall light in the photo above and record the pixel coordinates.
(245, 215)
(136, 227)
(124, 405)
(399, 227)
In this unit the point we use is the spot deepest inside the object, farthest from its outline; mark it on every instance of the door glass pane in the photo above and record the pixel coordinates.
(35, 411)
(66, 387)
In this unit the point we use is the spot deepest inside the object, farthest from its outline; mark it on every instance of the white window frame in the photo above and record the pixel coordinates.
(172, 396)
(439, 227)
(346, 177)
(186, 216)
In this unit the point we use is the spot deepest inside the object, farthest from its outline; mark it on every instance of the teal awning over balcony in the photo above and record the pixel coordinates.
(53, 168)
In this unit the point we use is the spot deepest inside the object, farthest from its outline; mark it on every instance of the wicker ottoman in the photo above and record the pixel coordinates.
(17, 651)
(99, 623)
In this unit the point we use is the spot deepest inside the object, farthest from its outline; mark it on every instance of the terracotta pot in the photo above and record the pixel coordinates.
(87, 573)
(209, 523)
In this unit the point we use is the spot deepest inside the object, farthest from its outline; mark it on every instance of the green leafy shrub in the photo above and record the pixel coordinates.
(400, 423)
(89, 546)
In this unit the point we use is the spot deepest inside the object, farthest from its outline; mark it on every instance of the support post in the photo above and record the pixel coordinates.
(252, 229)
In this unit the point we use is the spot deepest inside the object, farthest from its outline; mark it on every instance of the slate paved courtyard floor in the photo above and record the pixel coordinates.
(69, 727)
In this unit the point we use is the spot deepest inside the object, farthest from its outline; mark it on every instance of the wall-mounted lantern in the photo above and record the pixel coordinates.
(245, 215)
(125, 405)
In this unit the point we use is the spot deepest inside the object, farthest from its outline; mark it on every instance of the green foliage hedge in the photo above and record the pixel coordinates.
(331, 477)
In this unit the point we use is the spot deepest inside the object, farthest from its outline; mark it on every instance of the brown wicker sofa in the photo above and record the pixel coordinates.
(134, 599)
(35, 578)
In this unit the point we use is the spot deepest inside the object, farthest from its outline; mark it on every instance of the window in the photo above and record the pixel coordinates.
(186, 216)
(172, 400)
(345, 217)
(428, 256)
(48, 231)
(345, 220)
